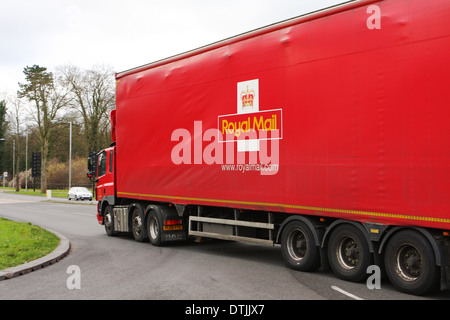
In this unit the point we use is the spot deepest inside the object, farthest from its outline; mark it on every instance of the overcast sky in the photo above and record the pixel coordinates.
(124, 33)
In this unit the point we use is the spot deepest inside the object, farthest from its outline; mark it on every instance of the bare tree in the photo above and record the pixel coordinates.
(47, 99)
(3, 130)
(93, 91)
(15, 121)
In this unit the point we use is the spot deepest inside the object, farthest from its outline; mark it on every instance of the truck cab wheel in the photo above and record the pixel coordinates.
(138, 227)
(348, 253)
(109, 221)
(154, 228)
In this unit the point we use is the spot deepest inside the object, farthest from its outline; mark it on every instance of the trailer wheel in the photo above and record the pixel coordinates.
(137, 225)
(410, 263)
(348, 253)
(298, 248)
(154, 228)
(108, 219)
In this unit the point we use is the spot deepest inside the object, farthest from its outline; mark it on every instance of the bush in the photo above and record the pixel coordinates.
(58, 175)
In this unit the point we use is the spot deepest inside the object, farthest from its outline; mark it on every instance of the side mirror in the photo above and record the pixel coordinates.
(92, 167)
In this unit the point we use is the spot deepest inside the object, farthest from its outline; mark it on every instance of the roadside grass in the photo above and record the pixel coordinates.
(23, 242)
(55, 193)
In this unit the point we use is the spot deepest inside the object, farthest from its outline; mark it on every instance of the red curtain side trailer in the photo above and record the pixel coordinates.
(326, 133)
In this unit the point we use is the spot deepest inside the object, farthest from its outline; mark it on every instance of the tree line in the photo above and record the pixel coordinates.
(38, 117)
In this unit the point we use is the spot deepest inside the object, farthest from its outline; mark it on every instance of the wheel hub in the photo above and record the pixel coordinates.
(348, 253)
(409, 263)
(137, 225)
(297, 245)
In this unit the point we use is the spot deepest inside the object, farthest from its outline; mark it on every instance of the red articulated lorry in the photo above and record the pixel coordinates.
(327, 134)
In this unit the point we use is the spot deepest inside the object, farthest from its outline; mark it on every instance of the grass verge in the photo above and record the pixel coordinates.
(23, 242)
(55, 193)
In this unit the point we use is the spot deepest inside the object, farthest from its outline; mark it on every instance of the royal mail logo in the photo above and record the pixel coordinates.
(250, 128)
(250, 125)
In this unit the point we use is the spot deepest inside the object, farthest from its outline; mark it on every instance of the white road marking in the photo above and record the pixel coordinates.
(53, 211)
(6, 201)
(83, 214)
(348, 294)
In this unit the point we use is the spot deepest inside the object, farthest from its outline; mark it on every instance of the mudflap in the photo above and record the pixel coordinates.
(445, 278)
(444, 248)
(171, 232)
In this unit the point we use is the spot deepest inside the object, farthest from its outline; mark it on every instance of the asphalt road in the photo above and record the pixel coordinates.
(120, 268)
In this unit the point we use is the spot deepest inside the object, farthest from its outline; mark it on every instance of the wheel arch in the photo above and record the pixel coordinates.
(132, 207)
(358, 225)
(165, 210)
(151, 207)
(423, 231)
(103, 204)
(310, 222)
(106, 201)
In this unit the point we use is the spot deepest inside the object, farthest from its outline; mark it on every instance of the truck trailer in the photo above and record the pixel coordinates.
(326, 134)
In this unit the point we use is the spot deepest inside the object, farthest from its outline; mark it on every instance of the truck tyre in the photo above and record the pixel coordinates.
(410, 263)
(155, 228)
(348, 253)
(108, 219)
(298, 247)
(138, 227)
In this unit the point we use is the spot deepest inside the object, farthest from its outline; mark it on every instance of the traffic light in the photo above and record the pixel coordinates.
(92, 166)
(36, 164)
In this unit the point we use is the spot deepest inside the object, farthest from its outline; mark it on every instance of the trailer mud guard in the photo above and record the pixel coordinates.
(437, 252)
(312, 224)
(356, 224)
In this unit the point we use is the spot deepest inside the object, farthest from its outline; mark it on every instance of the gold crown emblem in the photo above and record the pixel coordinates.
(247, 98)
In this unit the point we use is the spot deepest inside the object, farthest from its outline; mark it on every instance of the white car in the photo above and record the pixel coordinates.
(79, 193)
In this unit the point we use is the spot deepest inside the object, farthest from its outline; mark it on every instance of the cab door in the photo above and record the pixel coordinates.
(106, 174)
